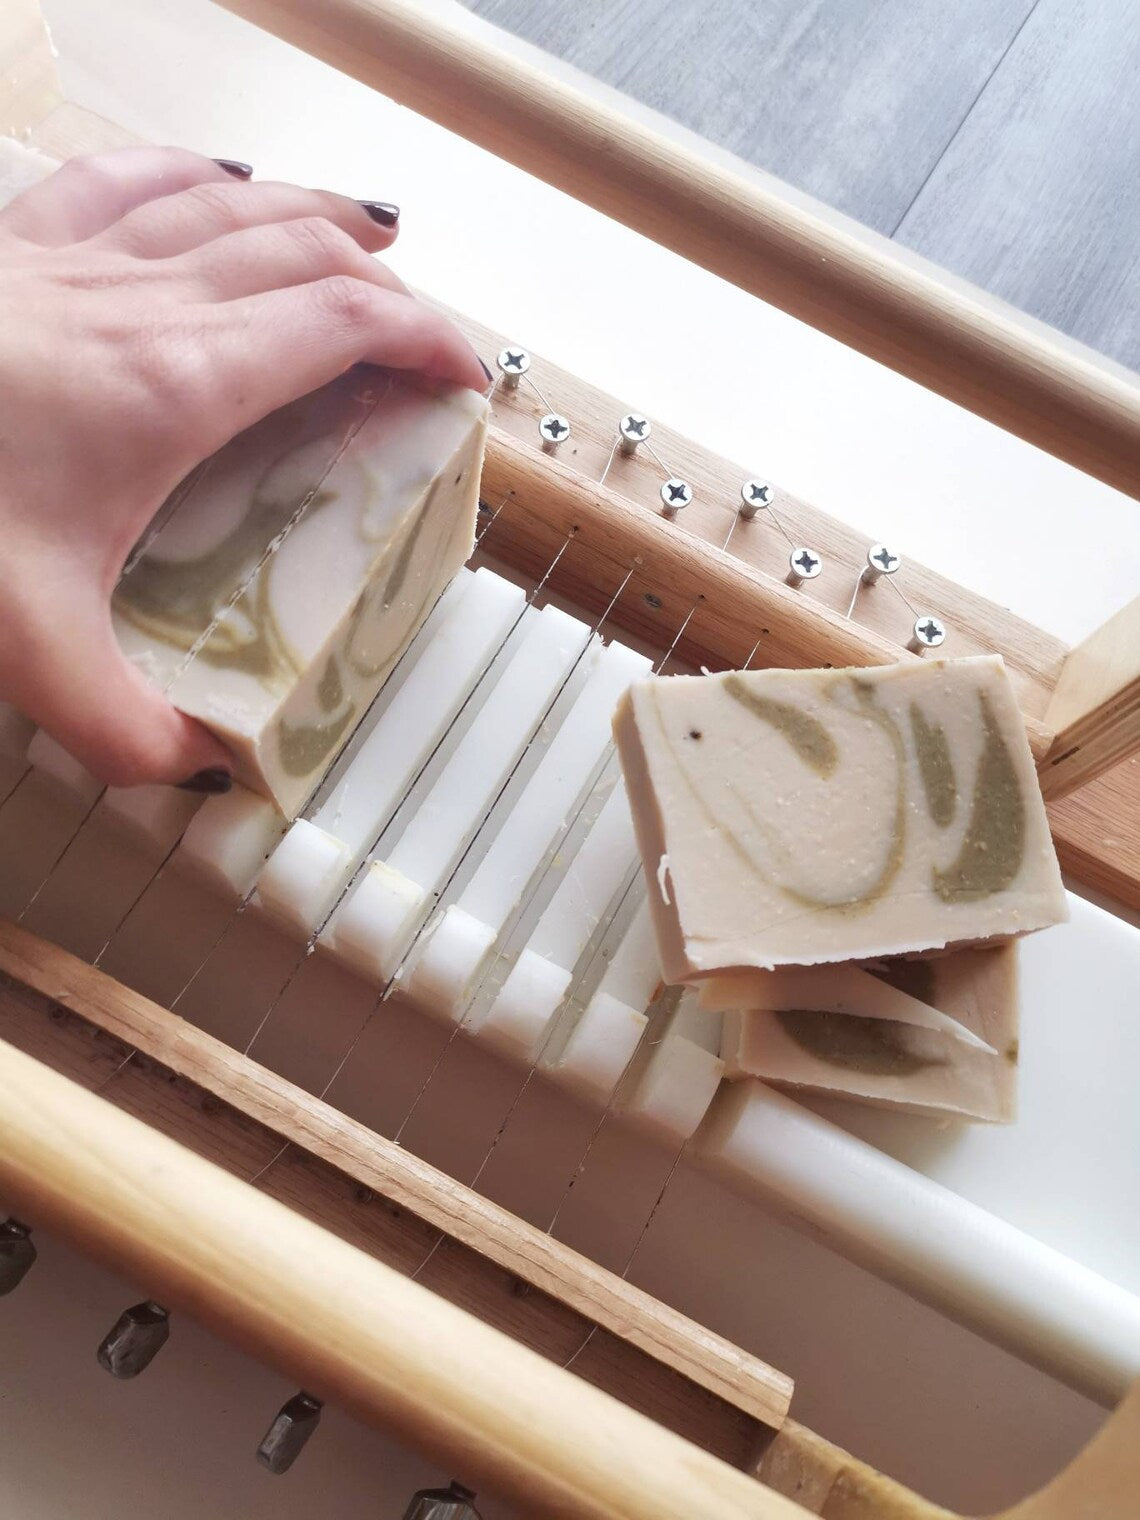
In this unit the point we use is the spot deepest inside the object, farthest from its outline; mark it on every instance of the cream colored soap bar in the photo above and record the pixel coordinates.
(795, 817)
(888, 1063)
(287, 575)
(853, 991)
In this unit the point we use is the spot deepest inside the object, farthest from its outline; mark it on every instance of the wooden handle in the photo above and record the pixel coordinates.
(825, 270)
(340, 1323)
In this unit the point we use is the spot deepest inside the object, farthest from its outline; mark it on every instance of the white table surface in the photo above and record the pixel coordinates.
(890, 1379)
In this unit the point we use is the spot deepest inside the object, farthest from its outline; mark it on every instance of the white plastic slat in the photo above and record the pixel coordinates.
(459, 945)
(376, 922)
(463, 793)
(521, 1013)
(426, 703)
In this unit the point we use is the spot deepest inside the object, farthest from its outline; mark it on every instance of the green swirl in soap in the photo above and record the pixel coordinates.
(177, 601)
(993, 847)
(875, 1047)
(302, 747)
(807, 735)
(382, 593)
(935, 767)
(817, 748)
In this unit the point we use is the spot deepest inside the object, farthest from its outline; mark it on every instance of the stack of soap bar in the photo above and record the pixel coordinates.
(862, 1033)
(286, 577)
(798, 817)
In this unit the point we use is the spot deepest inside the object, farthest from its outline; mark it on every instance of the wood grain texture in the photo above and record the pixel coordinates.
(853, 103)
(1100, 1484)
(382, 1346)
(1038, 196)
(1094, 712)
(1097, 833)
(733, 571)
(820, 267)
(711, 1362)
(365, 1219)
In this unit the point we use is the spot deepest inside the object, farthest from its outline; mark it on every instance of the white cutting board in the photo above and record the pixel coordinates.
(891, 1380)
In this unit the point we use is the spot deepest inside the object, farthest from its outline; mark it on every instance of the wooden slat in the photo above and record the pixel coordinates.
(370, 1222)
(1097, 833)
(340, 1322)
(869, 294)
(536, 1258)
(1094, 712)
(1101, 1483)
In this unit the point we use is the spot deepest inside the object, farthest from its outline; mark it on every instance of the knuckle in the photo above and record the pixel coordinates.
(92, 170)
(215, 204)
(320, 240)
(346, 300)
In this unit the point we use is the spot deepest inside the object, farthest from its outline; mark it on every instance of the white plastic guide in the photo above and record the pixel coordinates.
(517, 1020)
(456, 949)
(603, 1041)
(374, 926)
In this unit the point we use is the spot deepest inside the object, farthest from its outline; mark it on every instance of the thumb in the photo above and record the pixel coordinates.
(76, 683)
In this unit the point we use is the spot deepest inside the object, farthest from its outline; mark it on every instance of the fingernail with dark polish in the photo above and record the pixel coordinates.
(486, 371)
(235, 167)
(213, 780)
(382, 212)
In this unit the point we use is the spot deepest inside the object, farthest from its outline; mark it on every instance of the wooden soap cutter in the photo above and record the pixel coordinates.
(82, 1163)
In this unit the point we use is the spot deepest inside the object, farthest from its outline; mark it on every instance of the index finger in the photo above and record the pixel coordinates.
(87, 194)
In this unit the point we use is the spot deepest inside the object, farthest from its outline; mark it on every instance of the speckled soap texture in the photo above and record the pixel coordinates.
(289, 573)
(797, 817)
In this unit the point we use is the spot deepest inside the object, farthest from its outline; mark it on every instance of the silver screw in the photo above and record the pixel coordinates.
(285, 1439)
(553, 430)
(134, 1340)
(754, 495)
(513, 364)
(632, 430)
(803, 565)
(675, 494)
(880, 561)
(928, 634)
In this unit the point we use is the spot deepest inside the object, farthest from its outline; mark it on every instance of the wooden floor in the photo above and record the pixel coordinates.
(1000, 138)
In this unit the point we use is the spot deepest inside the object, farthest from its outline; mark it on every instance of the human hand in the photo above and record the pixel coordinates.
(151, 307)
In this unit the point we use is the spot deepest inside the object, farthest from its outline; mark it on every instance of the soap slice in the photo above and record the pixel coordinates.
(291, 571)
(891, 1064)
(796, 817)
(844, 989)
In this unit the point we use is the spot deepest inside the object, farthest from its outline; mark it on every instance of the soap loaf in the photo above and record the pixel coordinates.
(285, 578)
(796, 817)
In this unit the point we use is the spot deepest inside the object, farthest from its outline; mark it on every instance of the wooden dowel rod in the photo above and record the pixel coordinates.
(341, 1323)
(829, 272)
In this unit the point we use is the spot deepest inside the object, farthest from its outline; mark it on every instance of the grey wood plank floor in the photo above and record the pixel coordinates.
(1000, 138)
